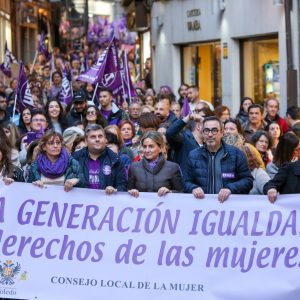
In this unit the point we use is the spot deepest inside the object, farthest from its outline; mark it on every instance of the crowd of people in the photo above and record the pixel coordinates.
(158, 142)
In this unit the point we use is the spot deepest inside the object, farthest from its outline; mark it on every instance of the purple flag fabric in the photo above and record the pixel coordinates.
(112, 74)
(24, 97)
(42, 48)
(9, 58)
(96, 72)
(128, 86)
(106, 72)
(65, 94)
(185, 108)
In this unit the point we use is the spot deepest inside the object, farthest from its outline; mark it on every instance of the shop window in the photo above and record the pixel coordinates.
(202, 67)
(260, 69)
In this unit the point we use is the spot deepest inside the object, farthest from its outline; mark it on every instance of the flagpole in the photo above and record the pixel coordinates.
(71, 86)
(52, 65)
(123, 88)
(95, 91)
(34, 60)
(16, 92)
(128, 83)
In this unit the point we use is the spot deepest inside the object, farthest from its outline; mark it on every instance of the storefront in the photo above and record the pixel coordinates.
(260, 68)
(202, 67)
(229, 49)
(32, 18)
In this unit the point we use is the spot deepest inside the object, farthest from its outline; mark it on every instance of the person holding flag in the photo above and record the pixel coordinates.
(23, 97)
(9, 58)
(41, 49)
(66, 92)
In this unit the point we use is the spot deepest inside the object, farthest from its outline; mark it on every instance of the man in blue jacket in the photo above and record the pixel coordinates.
(217, 168)
(102, 168)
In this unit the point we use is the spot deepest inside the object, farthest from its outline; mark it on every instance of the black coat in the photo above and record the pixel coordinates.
(287, 180)
(164, 174)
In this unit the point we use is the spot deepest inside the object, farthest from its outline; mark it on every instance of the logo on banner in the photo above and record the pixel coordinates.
(8, 272)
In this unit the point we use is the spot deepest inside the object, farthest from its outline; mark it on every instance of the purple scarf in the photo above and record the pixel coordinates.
(152, 164)
(128, 142)
(53, 170)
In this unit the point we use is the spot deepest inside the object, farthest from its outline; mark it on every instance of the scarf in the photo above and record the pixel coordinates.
(56, 169)
(152, 164)
(128, 143)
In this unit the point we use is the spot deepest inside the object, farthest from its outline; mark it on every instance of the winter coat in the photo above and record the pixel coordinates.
(271, 169)
(112, 170)
(234, 171)
(116, 115)
(261, 177)
(145, 179)
(73, 117)
(243, 117)
(287, 180)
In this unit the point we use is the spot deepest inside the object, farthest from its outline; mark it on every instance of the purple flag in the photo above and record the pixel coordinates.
(112, 73)
(65, 94)
(105, 71)
(128, 86)
(185, 108)
(24, 97)
(95, 73)
(42, 48)
(5, 67)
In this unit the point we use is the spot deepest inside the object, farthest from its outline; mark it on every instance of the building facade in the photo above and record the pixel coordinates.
(228, 48)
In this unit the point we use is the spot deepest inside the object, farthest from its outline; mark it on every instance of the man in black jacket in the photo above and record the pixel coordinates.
(77, 113)
(102, 168)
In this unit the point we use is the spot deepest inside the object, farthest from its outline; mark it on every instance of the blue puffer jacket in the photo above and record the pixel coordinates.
(235, 172)
(112, 170)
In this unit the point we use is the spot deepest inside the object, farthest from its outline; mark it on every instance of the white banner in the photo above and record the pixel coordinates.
(87, 245)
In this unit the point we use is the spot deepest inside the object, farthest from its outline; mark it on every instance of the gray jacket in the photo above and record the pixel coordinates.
(145, 179)
(261, 177)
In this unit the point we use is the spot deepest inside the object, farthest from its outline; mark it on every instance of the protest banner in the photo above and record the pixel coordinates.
(88, 245)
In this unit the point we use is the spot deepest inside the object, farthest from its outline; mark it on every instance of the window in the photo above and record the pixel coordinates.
(260, 69)
(202, 67)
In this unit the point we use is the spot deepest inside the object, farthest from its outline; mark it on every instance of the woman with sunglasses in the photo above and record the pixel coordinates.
(94, 116)
(54, 165)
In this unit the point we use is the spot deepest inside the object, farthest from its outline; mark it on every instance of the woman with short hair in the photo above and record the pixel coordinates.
(54, 165)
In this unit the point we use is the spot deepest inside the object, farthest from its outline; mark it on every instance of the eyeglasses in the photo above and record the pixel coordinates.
(52, 143)
(39, 120)
(91, 112)
(207, 131)
(197, 111)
